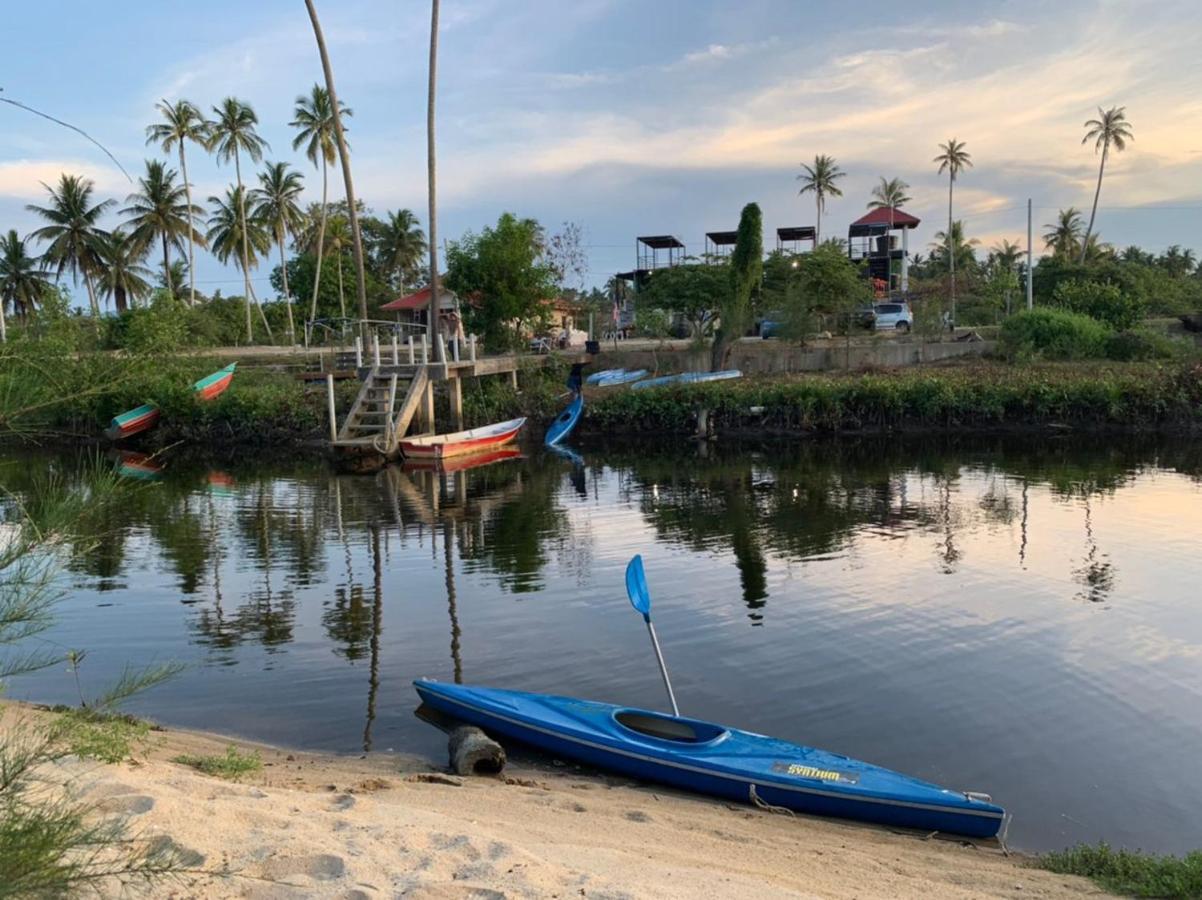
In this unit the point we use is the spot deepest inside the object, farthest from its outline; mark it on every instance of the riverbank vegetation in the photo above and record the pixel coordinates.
(1130, 873)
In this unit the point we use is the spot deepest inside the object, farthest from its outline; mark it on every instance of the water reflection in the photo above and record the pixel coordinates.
(858, 589)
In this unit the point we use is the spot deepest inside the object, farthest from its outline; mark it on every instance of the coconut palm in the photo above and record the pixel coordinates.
(1177, 262)
(177, 280)
(21, 280)
(819, 179)
(275, 204)
(121, 275)
(398, 244)
(229, 240)
(72, 231)
(953, 158)
(1006, 255)
(231, 134)
(344, 156)
(951, 248)
(1110, 129)
(1063, 237)
(889, 194)
(159, 210)
(338, 233)
(313, 117)
(182, 123)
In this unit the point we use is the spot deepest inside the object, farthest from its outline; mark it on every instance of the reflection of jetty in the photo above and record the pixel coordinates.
(398, 393)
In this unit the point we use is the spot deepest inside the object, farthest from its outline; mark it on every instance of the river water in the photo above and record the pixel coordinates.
(1016, 616)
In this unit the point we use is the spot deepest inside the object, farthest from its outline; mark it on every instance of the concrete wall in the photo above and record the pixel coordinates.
(756, 357)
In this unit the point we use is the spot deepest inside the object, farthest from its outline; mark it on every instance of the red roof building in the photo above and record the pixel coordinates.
(870, 242)
(880, 216)
(419, 301)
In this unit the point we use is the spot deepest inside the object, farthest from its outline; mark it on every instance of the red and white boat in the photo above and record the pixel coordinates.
(474, 440)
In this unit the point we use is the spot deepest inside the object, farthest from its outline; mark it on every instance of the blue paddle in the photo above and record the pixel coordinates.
(640, 599)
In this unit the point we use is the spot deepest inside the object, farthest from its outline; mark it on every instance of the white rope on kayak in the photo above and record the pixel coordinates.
(768, 807)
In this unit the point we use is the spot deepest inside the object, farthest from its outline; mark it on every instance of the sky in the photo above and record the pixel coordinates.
(632, 118)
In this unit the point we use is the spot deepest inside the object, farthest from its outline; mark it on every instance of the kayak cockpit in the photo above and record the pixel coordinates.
(668, 728)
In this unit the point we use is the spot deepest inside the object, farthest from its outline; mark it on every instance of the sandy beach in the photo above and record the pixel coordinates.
(384, 825)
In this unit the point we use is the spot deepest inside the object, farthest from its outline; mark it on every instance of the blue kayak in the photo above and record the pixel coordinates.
(711, 759)
(688, 378)
(597, 377)
(622, 376)
(565, 421)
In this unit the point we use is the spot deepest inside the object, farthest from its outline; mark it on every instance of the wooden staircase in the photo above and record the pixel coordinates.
(383, 411)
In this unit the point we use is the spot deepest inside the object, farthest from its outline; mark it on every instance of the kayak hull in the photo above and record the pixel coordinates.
(565, 421)
(460, 443)
(722, 762)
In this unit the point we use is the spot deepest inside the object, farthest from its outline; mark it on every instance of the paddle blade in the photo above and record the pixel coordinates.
(636, 587)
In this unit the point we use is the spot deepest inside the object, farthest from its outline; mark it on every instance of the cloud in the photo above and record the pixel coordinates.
(22, 179)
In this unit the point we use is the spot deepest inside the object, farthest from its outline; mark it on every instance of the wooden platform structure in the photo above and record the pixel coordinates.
(398, 395)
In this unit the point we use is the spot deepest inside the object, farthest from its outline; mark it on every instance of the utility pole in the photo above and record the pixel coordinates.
(1030, 268)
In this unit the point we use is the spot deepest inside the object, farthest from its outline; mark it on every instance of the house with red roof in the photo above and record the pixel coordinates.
(871, 239)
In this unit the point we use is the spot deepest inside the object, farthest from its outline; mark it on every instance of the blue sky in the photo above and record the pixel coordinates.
(640, 118)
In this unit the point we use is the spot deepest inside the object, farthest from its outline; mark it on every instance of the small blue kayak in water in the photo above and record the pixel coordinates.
(565, 421)
(712, 759)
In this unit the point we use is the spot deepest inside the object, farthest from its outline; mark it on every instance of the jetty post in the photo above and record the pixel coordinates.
(333, 412)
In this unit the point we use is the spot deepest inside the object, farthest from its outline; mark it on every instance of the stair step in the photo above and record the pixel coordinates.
(359, 427)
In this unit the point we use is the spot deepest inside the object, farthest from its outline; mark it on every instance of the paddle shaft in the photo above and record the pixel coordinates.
(663, 669)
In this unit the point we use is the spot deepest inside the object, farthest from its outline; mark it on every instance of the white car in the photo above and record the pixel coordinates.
(893, 317)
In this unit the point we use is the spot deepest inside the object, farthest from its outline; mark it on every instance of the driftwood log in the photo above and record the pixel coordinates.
(474, 753)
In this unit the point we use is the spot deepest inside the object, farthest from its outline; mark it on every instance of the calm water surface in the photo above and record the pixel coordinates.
(1016, 617)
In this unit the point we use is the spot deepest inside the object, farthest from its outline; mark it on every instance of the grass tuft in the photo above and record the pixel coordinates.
(1130, 872)
(106, 736)
(233, 765)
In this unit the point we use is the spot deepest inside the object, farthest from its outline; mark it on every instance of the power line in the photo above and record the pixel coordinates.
(30, 109)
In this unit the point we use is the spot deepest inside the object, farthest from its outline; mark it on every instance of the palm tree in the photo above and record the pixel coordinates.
(1110, 129)
(1134, 254)
(232, 133)
(398, 245)
(345, 156)
(122, 275)
(275, 204)
(314, 119)
(431, 181)
(889, 194)
(1007, 255)
(819, 179)
(951, 248)
(1064, 237)
(182, 122)
(75, 238)
(952, 159)
(228, 237)
(177, 281)
(160, 210)
(339, 233)
(1177, 262)
(21, 280)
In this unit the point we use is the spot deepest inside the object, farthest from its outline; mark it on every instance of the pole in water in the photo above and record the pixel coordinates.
(640, 599)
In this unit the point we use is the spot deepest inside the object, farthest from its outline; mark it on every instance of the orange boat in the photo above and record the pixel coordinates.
(464, 462)
(459, 443)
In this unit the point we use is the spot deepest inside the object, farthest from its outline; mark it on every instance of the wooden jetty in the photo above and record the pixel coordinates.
(397, 394)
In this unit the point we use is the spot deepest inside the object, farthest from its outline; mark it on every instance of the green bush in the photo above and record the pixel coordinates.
(1104, 301)
(1145, 344)
(1054, 334)
(1130, 872)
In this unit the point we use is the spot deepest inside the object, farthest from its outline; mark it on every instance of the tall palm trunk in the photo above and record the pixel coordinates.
(87, 283)
(951, 255)
(341, 302)
(321, 238)
(3, 322)
(183, 167)
(431, 182)
(250, 325)
(119, 299)
(818, 218)
(287, 294)
(1093, 212)
(167, 268)
(344, 155)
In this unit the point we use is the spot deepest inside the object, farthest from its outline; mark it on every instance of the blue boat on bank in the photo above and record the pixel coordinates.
(565, 421)
(712, 759)
(688, 378)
